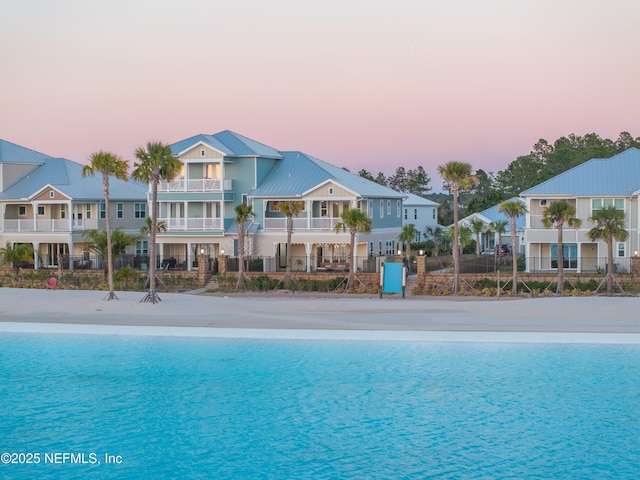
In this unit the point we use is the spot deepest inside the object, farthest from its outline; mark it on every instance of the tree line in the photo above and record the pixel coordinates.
(546, 160)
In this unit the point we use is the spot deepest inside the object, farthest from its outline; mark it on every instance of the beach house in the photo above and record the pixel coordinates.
(587, 187)
(46, 202)
(420, 211)
(223, 170)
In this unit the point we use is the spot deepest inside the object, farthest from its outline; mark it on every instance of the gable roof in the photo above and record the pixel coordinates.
(412, 199)
(66, 176)
(493, 214)
(298, 173)
(615, 176)
(12, 153)
(229, 143)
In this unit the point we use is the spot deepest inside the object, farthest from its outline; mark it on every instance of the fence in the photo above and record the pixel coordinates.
(583, 265)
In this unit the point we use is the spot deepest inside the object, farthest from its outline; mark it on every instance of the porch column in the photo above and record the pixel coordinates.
(189, 257)
(70, 244)
(186, 216)
(307, 248)
(309, 208)
(35, 217)
(36, 255)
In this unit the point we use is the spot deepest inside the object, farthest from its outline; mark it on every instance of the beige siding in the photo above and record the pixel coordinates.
(323, 192)
(45, 195)
(195, 153)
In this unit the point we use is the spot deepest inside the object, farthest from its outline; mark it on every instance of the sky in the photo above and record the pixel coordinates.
(374, 84)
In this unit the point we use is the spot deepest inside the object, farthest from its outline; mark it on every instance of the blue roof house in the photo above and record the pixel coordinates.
(420, 211)
(489, 239)
(588, 187)
(46, 202)
(223, 170)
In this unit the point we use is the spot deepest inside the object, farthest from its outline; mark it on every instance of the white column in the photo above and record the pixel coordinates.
(36, 255)
(308, 247)
(189, 256)
(186, 215)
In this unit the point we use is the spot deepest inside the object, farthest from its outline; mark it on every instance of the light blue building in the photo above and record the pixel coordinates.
(223, 170)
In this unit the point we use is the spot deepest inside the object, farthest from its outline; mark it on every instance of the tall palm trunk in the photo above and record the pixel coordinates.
(514, 257)
(242, 280)
(610, 268)
(560, 288)
(112, 293)
(152, 238)
(352, 256)
(455, 250)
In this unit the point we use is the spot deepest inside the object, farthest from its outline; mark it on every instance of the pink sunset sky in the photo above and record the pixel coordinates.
(371, 84)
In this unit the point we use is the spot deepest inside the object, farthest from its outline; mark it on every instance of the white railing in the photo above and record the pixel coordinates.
(196, 185)
(302, 223)
(83, 224)
(28, 225)
(177, 224)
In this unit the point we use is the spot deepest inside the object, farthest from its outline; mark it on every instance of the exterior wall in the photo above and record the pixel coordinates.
(426, 216)
(323, 192)
(195, 153)
(263, 167)
(386, 220)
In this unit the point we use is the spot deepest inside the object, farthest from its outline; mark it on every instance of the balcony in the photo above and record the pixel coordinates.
(313, 223)
(192, 224)
(29, 225)
(196, 185)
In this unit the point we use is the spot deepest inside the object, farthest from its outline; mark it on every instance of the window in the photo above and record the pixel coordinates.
(405, 213)
(598, 203)
(330, 190)
(40, 209)
(51, 194)
(203, 152)
(621, 249)
(388, 207)
(139, 210)
(103, 211)
(119, 210)
(63, 211)
(381, 208)
(569, 255)
(142, 247)
(398, 208)
(22, 210)
(88, 210)
(415, 213)
(370, 212)
(434, 213)
(245, 199)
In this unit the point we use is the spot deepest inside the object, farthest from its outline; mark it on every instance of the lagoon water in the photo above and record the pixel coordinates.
(158, 407)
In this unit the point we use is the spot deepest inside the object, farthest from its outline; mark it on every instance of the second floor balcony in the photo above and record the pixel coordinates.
(303, 223)
(192, 224)
(196, 185)
(48, 225)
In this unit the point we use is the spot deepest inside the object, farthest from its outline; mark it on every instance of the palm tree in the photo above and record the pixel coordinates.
(465, 236)
(243, 214)
(434, 232)
(477, 227)
(555, 216)
(97, 242)
(109, 165)
(290, 208)
(155, 163)
(458, 176)
(145, 230)
(499, 227)
(355, 221)
(15, 255)
(608, 224)
(407, 235)
(513, 208)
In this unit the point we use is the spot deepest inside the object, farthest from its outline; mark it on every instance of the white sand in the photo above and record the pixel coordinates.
(566, 319)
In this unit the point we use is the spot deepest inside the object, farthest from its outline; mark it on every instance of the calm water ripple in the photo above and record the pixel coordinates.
(210, 408)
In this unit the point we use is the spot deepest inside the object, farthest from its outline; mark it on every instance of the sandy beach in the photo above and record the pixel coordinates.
(286, 315)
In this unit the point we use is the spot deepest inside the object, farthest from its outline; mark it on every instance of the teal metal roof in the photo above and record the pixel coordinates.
(615, 176)
(229, 143)
(495, 215)
(66, 176)
(12, 153)
(298, 173)
(413, 199)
